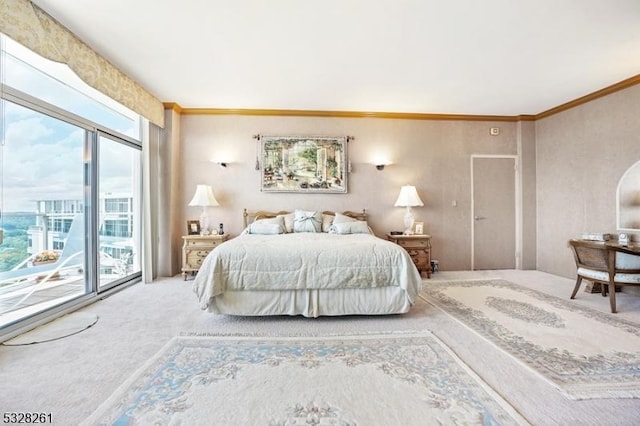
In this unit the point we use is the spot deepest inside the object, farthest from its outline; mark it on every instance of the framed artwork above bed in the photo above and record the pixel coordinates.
(311, 164)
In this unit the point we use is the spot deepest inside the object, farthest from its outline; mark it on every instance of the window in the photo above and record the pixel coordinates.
(117, 205)
(42, 159)
(57, 84)
(119, 165)
(71, 160)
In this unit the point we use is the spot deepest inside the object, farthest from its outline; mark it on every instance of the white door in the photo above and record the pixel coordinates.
(493, 212)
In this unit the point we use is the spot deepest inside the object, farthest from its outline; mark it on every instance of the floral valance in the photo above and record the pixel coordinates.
(30, 26)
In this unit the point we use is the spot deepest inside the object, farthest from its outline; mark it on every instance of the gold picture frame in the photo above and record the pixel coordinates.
(418, 228)
(193, 227)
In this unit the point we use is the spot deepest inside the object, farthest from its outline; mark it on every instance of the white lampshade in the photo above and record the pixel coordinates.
(408, 197)
(203, 197)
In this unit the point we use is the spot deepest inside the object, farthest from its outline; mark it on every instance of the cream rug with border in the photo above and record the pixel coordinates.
(583, 352)
(406, 378)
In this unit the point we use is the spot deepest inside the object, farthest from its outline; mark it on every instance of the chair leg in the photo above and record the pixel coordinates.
(603, 289)
(612, 297)
(576, 288)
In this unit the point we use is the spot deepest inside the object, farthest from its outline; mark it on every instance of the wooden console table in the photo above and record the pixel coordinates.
(631, 248)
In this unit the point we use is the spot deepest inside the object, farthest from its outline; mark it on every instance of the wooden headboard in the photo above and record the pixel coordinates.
(249, 216)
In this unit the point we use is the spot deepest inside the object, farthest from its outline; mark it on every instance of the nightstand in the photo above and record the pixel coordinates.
(196, 248)
(418, 247)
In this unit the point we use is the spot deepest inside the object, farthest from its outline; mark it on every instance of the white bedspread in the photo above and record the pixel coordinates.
(300, 261)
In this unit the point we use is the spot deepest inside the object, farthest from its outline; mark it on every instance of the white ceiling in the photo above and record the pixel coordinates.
(495, 57)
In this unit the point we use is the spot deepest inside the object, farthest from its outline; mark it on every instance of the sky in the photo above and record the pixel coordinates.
(42, 157)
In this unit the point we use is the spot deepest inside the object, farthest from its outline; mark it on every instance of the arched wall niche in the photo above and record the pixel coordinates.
(628, 200)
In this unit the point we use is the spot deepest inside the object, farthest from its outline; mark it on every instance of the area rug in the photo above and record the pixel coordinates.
(583, 352)
(407, 379)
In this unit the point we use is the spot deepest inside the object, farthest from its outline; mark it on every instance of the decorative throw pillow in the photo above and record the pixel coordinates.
(269, 226)
(307, 221)
(356, 227)
(327, 220)
(340, 218)
(288, 221)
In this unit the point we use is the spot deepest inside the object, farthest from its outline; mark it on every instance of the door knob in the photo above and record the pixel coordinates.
(479, 217)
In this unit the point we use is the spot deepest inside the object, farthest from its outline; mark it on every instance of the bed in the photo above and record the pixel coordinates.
(307, 263)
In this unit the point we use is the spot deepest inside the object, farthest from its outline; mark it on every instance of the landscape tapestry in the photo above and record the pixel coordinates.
(304, 164)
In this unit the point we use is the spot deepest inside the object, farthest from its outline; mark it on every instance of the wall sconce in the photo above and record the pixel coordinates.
(222, 164)
(380, 164)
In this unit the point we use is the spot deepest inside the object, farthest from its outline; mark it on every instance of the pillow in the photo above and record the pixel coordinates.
(327, 220)
(269, 226)
(340, 218)
(288, 221)
(278, 220)
(265, 229)
(307, 221)
(355, 227)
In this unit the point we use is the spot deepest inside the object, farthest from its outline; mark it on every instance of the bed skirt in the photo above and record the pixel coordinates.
(313, 303)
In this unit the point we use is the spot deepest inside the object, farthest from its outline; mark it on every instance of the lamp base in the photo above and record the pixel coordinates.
(408, 222)
(204, 222)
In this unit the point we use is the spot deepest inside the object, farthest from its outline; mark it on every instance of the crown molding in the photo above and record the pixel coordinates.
(632, 81)
(173, 106)
(342, 114)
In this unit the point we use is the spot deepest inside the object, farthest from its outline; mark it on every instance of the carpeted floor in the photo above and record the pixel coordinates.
(71, 377)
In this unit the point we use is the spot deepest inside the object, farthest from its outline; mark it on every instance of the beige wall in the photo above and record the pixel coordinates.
(432, 155)
(526, 135)
(570, 166)
(581, 155)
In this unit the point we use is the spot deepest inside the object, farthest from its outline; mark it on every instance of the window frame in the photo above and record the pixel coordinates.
(92, 130)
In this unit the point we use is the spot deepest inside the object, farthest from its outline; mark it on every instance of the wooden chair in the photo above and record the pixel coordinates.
(606, 264)
(591, 263)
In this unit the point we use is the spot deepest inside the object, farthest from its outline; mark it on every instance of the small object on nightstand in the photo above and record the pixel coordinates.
(195, 249)
(396, 232)
(594, 236)
(220, 230)
(418, 247)
(623, 239)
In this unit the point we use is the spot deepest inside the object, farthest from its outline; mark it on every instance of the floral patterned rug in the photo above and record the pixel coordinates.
(407, 378)
(583, 352)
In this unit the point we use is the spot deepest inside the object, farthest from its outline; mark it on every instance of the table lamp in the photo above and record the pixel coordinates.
(408, 198)
(204, 198)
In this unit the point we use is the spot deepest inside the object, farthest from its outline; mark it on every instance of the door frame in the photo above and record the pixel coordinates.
(518, 206)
